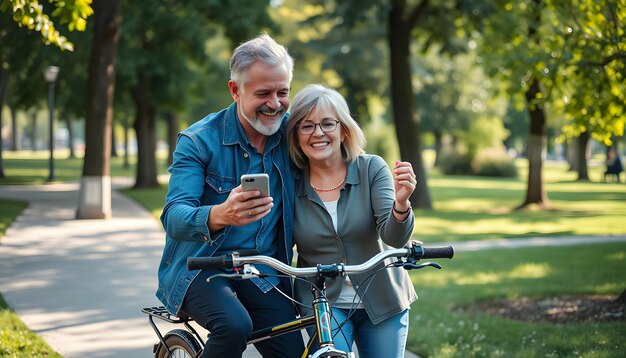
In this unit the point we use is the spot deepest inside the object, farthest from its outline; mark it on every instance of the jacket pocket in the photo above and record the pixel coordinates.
(219, 183)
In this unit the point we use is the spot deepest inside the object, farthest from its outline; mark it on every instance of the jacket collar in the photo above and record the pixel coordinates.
(232, 127)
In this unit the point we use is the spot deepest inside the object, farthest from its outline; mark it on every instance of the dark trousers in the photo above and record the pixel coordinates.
(232, 309)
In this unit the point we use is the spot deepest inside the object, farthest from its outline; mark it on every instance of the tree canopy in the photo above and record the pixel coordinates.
(31, 14)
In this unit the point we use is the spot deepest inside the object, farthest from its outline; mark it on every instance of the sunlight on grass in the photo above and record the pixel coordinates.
(28, 167)
(529, 270)
(618, 256)
(480, 278)
(473, 208)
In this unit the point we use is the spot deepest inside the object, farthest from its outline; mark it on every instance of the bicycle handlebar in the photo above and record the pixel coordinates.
(199, 263)
(229, 261)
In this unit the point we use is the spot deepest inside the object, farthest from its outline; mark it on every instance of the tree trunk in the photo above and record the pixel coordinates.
(572, 154)
(3, 82)
(70, 135)
(582, 143)
(537, 140)
(33, 130)
(15, 138)
(402, 99)
(438, 146)
(113, 149)
(126, 129)
(95, 196)
(145, 129)
(535, 193)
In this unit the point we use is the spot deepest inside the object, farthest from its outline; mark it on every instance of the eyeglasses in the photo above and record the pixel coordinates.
(327, 125)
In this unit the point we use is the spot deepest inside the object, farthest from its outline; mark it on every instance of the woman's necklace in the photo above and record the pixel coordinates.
(328, 189)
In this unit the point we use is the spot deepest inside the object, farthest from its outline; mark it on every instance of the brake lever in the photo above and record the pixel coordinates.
(414, 266)
(225, 275)
(248, 271)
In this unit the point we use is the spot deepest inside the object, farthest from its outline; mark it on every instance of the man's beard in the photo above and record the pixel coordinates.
(257, 124)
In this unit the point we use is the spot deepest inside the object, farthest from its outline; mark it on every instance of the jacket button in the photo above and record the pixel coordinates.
(245, 155)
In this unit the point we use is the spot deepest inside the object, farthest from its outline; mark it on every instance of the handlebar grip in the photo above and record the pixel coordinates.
(445, 252)
(200, 263)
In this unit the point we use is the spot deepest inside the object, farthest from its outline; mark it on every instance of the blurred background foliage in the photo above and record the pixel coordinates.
(483, 80)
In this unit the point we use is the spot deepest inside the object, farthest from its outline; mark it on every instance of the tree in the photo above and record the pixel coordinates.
(569, 55)
(31, 14)
(162, 47)
(20, 56)
(159, 41)
(400, 24)
(511, 45)
(590, 55)
(336, 50)
(100, 91)
(408, 27)
(448, 99)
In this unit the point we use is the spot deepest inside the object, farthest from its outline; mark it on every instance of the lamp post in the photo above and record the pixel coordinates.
(50, 74)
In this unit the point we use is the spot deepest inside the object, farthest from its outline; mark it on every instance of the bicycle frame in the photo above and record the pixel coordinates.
(321, 318)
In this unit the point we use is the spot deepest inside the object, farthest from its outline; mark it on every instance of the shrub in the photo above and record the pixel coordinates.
(452, 162)
(493, 162)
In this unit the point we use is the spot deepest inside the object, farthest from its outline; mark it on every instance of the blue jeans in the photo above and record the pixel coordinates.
(231, 309)
(385, 339)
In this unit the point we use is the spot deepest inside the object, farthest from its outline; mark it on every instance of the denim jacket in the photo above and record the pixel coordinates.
(208, 162)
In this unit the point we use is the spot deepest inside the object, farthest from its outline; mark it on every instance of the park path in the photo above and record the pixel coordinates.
(80, 284)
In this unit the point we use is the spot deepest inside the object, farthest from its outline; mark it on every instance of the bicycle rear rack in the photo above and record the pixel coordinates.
(162, 313)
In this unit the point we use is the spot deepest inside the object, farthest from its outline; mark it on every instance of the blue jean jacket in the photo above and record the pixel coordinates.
(210, 157)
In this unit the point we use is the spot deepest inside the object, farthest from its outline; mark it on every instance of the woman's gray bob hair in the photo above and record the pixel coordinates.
(316, 97)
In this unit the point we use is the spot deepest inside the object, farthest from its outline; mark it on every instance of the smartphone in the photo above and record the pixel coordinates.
(260, 182)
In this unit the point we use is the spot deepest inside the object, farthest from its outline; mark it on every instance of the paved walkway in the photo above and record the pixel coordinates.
(80, 284)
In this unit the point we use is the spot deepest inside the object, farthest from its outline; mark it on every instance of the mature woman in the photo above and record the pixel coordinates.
(348, 207)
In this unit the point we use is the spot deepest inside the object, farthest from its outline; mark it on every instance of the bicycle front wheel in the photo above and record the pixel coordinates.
(181, 343)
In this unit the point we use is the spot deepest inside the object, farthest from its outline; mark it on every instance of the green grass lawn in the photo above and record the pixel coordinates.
(26, 167)
(438, 329)
(478, 208)
(475, 208)
(16, 340)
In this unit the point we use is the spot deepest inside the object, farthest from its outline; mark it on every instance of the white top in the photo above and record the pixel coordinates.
(346, 299)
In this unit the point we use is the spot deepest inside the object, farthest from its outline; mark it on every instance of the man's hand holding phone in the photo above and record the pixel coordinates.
(248, 202)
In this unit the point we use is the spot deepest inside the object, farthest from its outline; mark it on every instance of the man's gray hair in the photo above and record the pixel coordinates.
(261, 48)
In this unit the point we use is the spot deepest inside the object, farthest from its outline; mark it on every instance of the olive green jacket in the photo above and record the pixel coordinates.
(365, 226)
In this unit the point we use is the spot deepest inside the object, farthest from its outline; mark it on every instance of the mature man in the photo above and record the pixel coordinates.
(207, 213)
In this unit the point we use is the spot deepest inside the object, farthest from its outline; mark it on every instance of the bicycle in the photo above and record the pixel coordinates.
(187, 343)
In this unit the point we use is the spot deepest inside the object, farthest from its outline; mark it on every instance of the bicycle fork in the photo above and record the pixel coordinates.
(323, 325)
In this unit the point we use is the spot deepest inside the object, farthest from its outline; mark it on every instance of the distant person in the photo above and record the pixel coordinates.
(613, 166)
(348, 208)
(207, 213)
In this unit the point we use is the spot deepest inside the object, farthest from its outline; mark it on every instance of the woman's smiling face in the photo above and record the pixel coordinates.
(321, 146)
